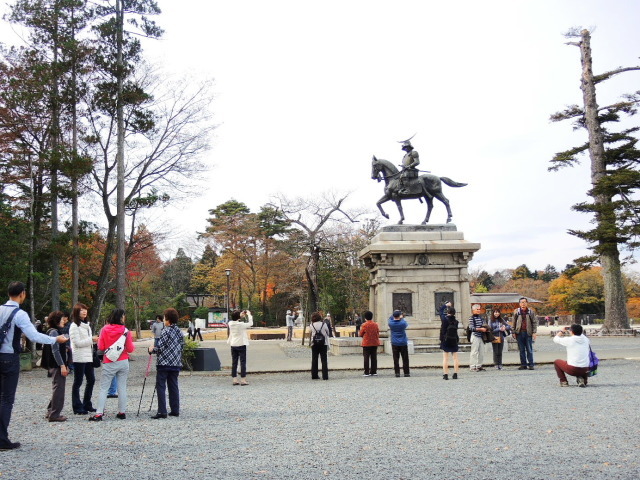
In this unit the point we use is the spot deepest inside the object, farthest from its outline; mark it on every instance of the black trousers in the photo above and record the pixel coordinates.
(397, 352)
(9, 374)
(370, 360)
(241, 354)
(497, 351)
(168, 378)
(81, 371)
(319, 351)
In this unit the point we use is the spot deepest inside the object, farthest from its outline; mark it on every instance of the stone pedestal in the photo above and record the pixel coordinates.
(414, 268)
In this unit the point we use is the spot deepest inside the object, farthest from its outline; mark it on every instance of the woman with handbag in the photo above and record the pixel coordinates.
(82, 351)
(115, 340)
(500, 331)
(54, 358)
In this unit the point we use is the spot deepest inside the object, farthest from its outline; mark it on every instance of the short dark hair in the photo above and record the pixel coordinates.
(451, 311)
(235, 315)
(116, 317)
(159, 317)
(316, 317)
(368, 315)
(15, 288)
(171, 315)
(54, 318)
(576, 329)
(523, 298)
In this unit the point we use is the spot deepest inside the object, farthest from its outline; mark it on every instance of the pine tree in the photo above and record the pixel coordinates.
(614, 177)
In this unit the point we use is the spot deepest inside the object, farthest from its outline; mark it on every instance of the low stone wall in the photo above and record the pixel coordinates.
(348, 346)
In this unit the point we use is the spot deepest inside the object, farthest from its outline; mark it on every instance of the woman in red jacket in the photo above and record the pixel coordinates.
(116, 337)
(370, 333)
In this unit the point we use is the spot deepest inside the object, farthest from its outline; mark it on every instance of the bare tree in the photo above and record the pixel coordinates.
(313, 217)
(166, 157)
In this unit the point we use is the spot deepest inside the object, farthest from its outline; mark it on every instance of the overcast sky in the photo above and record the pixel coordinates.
(306, 93)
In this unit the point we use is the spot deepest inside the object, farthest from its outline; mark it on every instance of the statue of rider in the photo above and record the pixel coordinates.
(409, 171)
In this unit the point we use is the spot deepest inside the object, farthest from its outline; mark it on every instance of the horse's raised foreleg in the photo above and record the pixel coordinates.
(429, 208)
(399, 205)
(379, 204)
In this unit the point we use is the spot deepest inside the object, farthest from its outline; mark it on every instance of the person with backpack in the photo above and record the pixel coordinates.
(399, 342)
(319, 340)
(116, 343)
(370, 333)
(577, 363)
(525, 328)
(55, 360)
(500, 330)
(13, 323)
(449, 340)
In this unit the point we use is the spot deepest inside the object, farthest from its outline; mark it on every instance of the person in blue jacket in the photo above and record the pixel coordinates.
(399, 342)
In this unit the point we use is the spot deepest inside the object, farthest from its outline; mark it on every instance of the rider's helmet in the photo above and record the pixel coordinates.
(406, 144)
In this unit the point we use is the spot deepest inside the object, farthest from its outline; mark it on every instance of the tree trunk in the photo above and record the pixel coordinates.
(75, 254)
(120, 214)
(615, 303)
(312, 278)
(103, 280)
(54, 163)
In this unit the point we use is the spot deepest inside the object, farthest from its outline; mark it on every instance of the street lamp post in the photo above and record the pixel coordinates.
(228, 272)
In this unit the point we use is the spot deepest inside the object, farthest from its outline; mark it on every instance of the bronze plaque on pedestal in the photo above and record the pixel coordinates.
(403, 302)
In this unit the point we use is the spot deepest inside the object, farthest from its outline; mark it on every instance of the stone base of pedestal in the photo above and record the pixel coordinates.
(416, 269)
(348, 346)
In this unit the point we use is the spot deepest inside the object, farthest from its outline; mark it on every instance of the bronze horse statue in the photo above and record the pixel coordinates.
(431, 186)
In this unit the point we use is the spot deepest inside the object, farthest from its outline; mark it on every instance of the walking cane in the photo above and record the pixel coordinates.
(144, 383)
(152, 397)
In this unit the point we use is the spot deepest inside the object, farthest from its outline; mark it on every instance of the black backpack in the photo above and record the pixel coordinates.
(318, 337)
(451, 334)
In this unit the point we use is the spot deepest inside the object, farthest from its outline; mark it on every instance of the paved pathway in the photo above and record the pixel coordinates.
(495, 425)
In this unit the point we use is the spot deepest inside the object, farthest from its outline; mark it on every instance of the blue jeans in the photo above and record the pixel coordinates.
(113, 389)
(9, 373)
(525, 344)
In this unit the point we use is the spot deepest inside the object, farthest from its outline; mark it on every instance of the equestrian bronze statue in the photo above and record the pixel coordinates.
(399, 186)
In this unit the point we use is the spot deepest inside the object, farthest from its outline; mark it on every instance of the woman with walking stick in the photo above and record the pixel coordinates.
(169, 351)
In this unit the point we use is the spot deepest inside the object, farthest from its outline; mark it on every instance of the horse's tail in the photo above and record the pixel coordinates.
(451, 183)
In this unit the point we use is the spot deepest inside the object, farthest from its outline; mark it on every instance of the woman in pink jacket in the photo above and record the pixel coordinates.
(110, 335)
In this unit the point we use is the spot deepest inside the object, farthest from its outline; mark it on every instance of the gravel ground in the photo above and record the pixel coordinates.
(500, 425)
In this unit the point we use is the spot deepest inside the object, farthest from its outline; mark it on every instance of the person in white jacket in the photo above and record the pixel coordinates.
(577, 363)
(82, 354)
(238, 339)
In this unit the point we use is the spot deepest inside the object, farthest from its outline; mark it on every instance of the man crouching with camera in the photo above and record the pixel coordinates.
(577, 363)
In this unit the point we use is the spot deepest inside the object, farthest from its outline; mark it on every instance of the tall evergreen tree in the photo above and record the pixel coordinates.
(614, 177)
